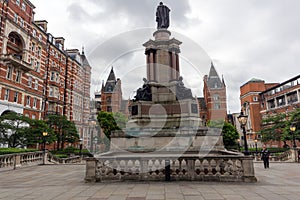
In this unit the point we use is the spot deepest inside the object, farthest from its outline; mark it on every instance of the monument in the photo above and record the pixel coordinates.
(164, 138)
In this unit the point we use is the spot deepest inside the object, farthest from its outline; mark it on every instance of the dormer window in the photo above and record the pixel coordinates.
(109, 88)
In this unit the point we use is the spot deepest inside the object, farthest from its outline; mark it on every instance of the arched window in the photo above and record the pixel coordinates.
(216, 97)
(108, 99)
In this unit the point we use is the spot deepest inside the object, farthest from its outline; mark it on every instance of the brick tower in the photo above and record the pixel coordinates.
(214, 91)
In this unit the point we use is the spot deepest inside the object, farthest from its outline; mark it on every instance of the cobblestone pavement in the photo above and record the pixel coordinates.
(61, 182)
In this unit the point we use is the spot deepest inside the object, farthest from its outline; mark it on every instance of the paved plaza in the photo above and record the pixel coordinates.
(61, 182)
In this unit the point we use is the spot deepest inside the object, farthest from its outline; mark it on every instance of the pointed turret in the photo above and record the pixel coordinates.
(111, 81)
(213, 79)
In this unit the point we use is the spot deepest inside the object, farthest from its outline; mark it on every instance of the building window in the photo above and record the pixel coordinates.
(51, 91)
(49, 38)
(9, 72)
(44, 90)
(40, 37)
(37, 68)
(292, 97)
(6, 95)
(271, 103)
(29, 81)
(18, 76)
(109, 88)
(216, 97)
(34, 102)
(57, 77)
(33, 47)
(217, 106)
(216, 85)
(255, 98)
(36, 84)
(34, 33)
(28, 101)
(52, 77)
(18, 2)
(109, 109)
(22, 24)
(16, 18)
(281, 101)
(24, 6)
(33, 117)
(39, 51)
(108, 99)
(43, 106)
(16, 97)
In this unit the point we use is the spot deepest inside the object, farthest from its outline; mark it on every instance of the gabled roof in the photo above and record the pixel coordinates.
(111, 82)
(213, 79)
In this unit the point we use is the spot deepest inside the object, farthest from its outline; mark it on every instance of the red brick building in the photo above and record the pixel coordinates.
(110, 99)
(260, 99)
(37, 75)
(214, 92)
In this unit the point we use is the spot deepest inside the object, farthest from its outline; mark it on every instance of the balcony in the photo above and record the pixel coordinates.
(16, 60)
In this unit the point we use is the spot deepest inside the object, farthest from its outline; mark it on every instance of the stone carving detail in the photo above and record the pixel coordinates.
(144, 93)
(181, 91)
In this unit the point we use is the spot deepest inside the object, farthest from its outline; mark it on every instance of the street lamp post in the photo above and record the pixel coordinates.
(293, 129)
(80, 146)
(95, 141)
(45, 134)
(238, 143)
(255, 141)
(243, 121)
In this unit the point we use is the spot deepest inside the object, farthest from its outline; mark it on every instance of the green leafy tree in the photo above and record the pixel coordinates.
(275, 128)
(35, 131)
(64, 130)
(295, 120)
(13, 129)
(216, 123)
(111, 121)
(230, 135)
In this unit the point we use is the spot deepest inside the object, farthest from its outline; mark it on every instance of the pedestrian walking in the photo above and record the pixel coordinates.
(265, 154)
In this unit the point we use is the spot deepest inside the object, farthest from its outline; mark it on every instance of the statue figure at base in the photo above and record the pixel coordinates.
(181, 91)
(144, 93)
(162, 16)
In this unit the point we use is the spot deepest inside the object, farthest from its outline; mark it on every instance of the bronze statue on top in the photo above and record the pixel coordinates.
(162, 16)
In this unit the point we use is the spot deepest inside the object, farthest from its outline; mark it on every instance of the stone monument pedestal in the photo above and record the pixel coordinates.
(165, 138)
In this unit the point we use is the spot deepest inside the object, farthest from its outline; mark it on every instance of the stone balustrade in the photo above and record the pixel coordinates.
(70, 160)
(14, 161)
(183, 168)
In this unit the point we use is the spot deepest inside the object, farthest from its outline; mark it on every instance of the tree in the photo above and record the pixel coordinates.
(35, 131)
(13, 129)
(216, 123)
(275, 128)
(64, 130)
(230, 135)
(295, 120)
(111, 121)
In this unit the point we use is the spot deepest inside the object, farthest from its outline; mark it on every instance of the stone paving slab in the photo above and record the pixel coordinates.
(66, 182)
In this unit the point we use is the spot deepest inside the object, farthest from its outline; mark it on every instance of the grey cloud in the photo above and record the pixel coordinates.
(77, 13)
(139, 13)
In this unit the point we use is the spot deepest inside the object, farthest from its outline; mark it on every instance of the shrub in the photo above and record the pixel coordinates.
(15, 150)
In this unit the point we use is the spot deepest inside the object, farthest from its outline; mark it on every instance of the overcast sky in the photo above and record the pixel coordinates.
(244, 38)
